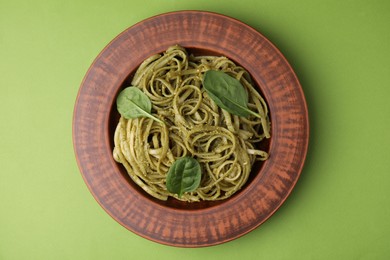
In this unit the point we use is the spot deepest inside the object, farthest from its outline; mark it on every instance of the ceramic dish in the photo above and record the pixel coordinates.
(173, 222)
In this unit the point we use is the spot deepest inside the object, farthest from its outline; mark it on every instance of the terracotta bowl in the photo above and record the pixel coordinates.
(173, 222)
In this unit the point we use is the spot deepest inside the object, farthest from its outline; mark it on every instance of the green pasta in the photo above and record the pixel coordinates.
(225, 145)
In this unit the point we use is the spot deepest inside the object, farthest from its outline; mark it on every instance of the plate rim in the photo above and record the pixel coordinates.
(89, 183)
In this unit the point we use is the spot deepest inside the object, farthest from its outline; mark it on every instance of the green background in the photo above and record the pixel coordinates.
(340, 208)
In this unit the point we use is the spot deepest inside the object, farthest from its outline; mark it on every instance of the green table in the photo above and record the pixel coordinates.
(340, 208)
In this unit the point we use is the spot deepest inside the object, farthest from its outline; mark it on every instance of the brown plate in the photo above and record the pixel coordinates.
(173, 222)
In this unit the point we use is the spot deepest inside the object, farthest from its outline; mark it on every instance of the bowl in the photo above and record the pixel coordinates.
(174, 222)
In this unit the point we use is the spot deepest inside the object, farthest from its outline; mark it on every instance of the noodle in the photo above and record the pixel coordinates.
(225, 145)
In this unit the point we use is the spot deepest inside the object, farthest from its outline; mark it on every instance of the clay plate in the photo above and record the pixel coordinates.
(172, 222)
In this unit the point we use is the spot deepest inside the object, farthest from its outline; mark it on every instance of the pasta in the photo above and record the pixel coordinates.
(225, 145)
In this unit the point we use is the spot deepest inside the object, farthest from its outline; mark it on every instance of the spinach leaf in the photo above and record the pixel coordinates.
(183, 176)
(227, 92)
(133, 103)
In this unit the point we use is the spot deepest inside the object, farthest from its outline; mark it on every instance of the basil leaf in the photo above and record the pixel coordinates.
(183, 176)
(133, 103)
(227, 92)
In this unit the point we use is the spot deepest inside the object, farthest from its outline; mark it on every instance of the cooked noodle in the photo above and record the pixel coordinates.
(225, 145)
